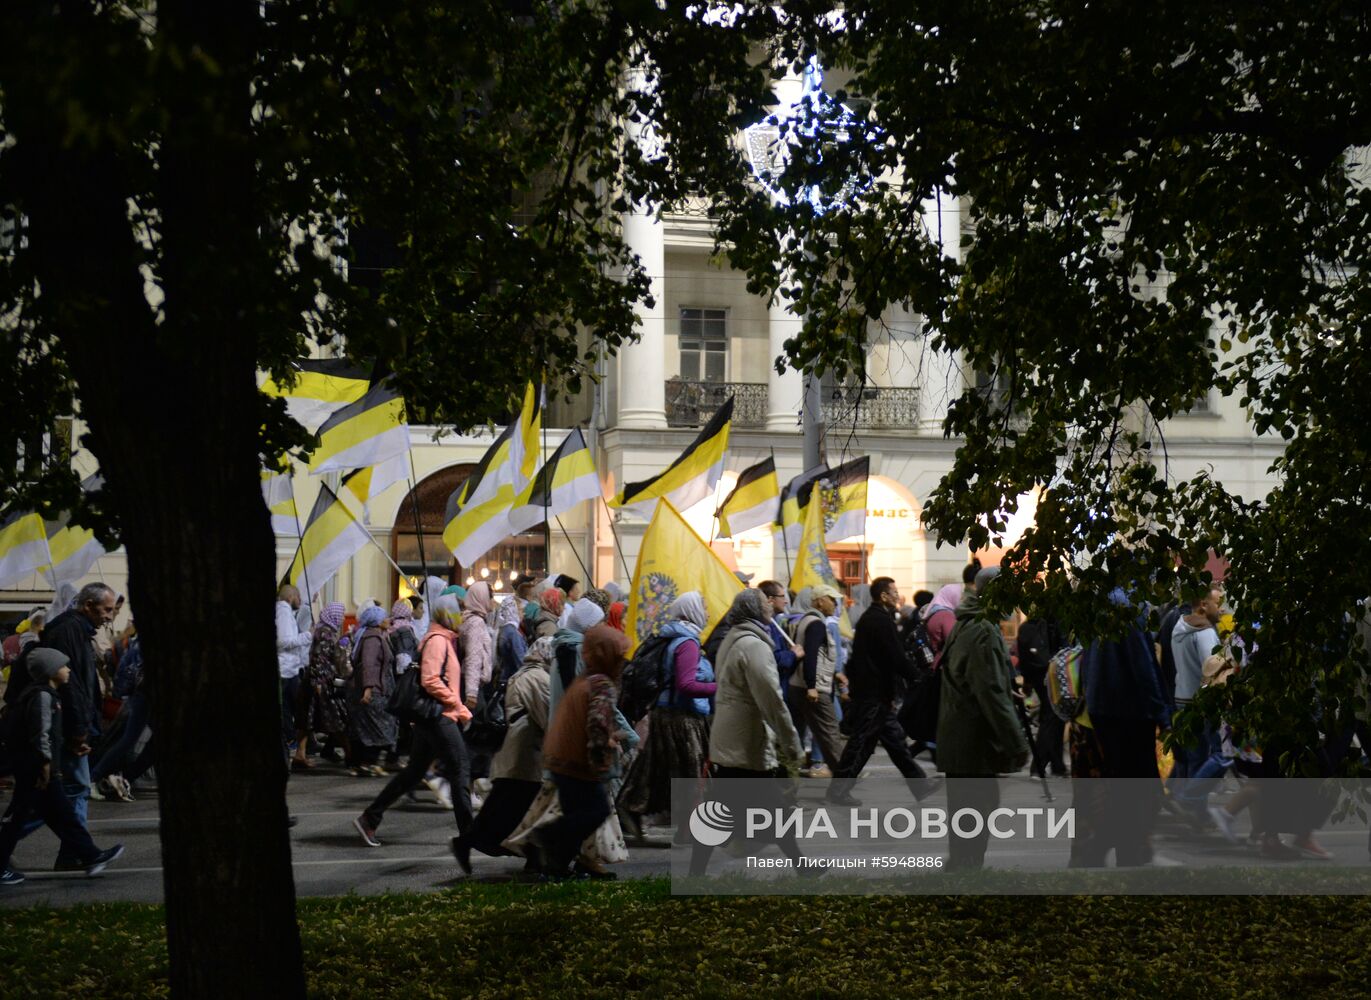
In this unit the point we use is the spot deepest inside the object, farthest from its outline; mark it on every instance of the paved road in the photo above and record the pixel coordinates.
(329, 858)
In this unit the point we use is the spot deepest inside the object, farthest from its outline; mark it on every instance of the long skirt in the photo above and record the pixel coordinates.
(371, 725)
(508, 802)
(677, 746)
(605, 845)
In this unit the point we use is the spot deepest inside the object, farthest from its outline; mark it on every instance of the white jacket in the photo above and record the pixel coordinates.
(292, 645)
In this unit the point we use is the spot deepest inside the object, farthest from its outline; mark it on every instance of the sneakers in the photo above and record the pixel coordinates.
(461, 850)
(442, 791)
(68, 864)
(11, 877)
(1311, 848)
(818, 771)
(1274, 850)
(367, 831)
(115, 788)
(1225, 820)
(102, 860)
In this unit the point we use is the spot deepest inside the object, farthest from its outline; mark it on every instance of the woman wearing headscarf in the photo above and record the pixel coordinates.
(517, 769)
(752, 735)
(615, 592)
(403, 643)
(433, 589)
(580, 749)
(373, 729)
(510, 645)
(615, 617)
(566, 646)
(440, 673)
(550, 603)
(678, 724)
(478, 657)
(324, 703)
(568, 585)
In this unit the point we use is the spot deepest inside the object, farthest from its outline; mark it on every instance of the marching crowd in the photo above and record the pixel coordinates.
(525, 716)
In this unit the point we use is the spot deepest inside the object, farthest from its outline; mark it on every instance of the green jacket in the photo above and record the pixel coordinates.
(978, 731)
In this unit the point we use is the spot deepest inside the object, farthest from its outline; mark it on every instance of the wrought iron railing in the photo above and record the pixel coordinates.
(871, 407)
(691, 403)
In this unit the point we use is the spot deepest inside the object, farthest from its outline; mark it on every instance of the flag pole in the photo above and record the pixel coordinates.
(579, 561)
(370, 537)
(418, 523)
(714, 521)
(785, 543)
(617, 545)
(547, 525)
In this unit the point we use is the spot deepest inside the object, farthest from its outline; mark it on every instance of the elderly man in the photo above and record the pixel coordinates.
(71, 633)
(292, 653)
(978, 732)
(811, 685)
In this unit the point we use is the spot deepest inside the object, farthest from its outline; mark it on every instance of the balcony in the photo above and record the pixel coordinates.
(871, 407)
(693, 403)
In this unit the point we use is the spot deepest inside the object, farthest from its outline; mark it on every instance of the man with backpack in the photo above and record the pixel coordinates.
(34, 743)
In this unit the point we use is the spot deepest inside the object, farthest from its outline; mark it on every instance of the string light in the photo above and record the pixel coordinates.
(485, 572)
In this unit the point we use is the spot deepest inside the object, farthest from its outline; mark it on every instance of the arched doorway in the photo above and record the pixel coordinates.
(417, 545)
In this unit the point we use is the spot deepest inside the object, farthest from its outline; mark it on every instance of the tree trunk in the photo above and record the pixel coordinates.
(174, 419)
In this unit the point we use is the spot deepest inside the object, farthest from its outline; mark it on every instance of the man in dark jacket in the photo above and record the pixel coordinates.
(877, 659)
(71, 633)
(979, 735)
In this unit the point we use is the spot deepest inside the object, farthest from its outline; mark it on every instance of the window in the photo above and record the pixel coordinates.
(704, 345)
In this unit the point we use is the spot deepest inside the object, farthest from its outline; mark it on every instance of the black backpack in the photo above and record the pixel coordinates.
(644, 679)
(12, 726)
(488, 725)
(1038, 641)
(917, 645)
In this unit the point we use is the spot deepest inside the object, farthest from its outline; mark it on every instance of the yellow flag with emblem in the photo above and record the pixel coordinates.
(673, 561)
(812, 566)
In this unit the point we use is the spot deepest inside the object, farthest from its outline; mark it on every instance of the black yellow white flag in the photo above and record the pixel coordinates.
(332, 536)
(754, 501)
(322, 387)
(690, 478)
(566, 479)
(843, 492)
(478, 511)
(367, 432)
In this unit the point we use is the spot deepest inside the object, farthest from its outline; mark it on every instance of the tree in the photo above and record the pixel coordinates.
(178, 181)
(1160, 210)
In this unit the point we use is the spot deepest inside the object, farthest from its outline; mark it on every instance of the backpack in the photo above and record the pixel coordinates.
(489, 723)
(1038, 641)
(11, 726)
(1065, 691)
(645, 677)
(130, 670)
(410, 702)
(918, 646)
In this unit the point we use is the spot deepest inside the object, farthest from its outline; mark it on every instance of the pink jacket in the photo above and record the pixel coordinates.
(440, 672)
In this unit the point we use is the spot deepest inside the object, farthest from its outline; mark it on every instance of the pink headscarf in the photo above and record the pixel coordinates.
(949, 597)
(479, 600)
(332, 615)
(551, 599)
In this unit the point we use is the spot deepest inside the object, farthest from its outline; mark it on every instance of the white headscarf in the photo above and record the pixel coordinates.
(689, 607)
(583, 614)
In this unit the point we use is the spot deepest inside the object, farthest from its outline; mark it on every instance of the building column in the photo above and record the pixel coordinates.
(941, 377)
(642, 366)
(785, 391)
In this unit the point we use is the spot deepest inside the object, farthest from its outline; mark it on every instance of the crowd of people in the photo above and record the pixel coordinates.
(515, 715)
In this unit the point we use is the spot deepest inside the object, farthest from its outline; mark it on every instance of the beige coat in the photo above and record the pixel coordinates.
(520, 757)
(752, 728)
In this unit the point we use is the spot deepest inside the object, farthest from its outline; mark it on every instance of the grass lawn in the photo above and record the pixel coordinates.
(584, 939)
